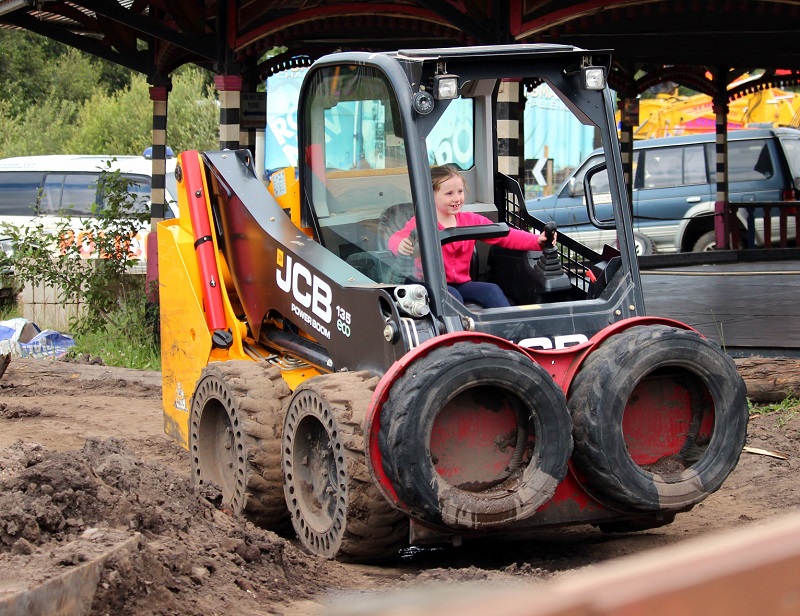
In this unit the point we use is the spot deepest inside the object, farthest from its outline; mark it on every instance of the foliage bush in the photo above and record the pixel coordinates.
(128, 341)
(119, 123)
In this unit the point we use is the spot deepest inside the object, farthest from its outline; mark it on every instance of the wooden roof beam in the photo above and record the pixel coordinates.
(204, 47)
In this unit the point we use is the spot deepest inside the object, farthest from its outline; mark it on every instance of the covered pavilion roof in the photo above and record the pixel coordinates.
(674, 39)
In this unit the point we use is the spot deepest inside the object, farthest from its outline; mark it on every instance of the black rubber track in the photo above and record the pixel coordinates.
(410, 411)
(337, 511)
(597, 400)
(237, 415)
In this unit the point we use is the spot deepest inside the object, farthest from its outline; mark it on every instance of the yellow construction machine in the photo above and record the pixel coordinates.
(317, 379)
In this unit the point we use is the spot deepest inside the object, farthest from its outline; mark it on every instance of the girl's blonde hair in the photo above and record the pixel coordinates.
(443, 173)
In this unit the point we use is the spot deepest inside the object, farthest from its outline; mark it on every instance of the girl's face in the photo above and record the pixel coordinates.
(449, 197)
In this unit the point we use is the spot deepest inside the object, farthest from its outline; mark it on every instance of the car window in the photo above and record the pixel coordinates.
(68, 193)
(75, 194)
(19, 191)
(172, 196)
(79, 194)
(574, 186)
(694, 166)
(749, 160)
(674, 166)
(50, 201)
(792, 149)
(139, 188)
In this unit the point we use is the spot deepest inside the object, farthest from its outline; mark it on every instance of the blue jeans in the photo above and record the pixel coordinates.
(487, 294)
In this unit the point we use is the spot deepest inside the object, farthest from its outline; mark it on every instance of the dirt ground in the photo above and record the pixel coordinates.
(84, 464)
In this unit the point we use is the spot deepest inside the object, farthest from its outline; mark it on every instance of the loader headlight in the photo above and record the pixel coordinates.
(593, 77)
(445, 87)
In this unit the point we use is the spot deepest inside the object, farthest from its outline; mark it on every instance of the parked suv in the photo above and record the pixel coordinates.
(674, 189)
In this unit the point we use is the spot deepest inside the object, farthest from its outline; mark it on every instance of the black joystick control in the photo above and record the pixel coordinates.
(549, 274)
(550, 234)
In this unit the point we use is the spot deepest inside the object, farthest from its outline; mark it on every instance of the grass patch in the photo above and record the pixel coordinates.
(126, 349)
(9, 310)
(127, 340)
(786, 410)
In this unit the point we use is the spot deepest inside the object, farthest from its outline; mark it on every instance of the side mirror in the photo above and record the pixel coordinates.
(590, 206)
(574, 187)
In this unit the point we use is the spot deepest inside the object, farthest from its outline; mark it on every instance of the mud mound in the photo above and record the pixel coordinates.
(49, 499)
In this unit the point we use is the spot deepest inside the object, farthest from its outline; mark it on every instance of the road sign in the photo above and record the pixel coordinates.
(253, 110)
(538, 166)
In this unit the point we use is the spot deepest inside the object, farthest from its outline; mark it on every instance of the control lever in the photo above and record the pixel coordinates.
(550, 233)
(403, 267)
(549, 274)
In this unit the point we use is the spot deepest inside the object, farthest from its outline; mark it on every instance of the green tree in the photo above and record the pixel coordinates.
(40, 130)
(122, 123)
(25, 68)
(34, 68)
(116, 124)
(193, 122)
(57, 100)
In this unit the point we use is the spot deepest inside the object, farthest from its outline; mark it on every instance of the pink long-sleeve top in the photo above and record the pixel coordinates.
(457, 255)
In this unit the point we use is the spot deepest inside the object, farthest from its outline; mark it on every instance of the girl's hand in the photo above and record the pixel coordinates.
(543, 242)
(405, 247)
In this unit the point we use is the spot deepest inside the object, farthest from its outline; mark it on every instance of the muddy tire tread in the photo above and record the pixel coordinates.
(373, 529)
(617, 480)
(408, 465)
(260, 397)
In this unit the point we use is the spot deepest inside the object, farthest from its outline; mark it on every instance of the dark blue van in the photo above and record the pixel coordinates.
(674, 189)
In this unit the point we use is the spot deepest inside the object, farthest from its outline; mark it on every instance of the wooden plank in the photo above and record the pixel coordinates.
(739, 573)
(739, 305)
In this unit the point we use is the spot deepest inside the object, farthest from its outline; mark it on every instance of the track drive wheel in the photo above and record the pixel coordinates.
(336, 509)
(234, 438)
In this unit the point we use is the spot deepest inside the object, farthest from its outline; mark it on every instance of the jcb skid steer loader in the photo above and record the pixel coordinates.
(316, 380)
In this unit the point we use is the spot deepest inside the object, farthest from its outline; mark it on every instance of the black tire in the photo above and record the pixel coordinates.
(503, 478)
(708, 241)
(336, 509)
(682, 364)
(236, 419)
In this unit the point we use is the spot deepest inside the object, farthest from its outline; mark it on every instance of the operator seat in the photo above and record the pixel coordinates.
(604, 271)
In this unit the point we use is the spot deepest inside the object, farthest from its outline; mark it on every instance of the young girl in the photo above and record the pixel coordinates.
(448, 195)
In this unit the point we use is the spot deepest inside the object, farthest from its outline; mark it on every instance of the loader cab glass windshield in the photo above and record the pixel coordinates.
(355, 165)
(355, 162)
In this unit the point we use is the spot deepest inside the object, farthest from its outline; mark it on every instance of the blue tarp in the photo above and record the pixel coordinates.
(21, 338)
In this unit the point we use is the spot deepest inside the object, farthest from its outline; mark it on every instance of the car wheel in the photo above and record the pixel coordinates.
(642, 245)
(708, 242)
